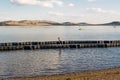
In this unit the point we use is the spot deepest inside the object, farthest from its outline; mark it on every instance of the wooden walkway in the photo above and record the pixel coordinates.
(57, 44)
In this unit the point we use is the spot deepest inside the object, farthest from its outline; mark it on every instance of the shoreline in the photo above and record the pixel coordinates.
(104, 74)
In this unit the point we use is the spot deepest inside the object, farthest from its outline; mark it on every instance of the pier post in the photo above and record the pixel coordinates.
(57, 44)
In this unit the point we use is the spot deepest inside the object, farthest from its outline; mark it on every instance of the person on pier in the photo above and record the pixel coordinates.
(59, 40)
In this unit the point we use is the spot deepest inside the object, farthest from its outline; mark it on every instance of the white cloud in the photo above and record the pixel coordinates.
(96, 10)
(71, 4)
(100, 10)
(4, 16)
(92, 0)
(76, 15)
(56, 13)
(44, 3)
(64, 16)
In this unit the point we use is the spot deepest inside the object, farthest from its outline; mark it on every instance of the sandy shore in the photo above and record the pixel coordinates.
(108, 74)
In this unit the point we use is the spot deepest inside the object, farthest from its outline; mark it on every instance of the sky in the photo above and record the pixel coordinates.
(91, 11)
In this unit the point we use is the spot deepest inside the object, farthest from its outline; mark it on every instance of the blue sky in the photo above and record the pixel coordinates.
(92, 11)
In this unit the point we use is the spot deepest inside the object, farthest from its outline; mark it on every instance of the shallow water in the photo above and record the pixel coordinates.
(57, 61)
(49, 62)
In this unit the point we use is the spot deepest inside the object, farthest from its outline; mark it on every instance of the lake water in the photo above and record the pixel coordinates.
(57, 61)
(46, 33)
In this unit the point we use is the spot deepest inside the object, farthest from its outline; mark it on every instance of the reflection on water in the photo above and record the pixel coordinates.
(49, 62)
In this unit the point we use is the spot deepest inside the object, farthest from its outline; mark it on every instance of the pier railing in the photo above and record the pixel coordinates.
(58, 44)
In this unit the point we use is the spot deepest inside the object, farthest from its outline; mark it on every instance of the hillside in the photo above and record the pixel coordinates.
(115, 23)
(28, 23)
(51, 23)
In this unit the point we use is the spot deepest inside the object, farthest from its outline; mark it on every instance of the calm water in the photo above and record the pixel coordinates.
(49, 62)
(57, 61)
(11, 34)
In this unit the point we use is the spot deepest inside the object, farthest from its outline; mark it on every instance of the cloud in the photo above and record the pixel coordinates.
(65, 15)
(71, 4)
(43, 3)
(92, 0)
(4, 16)
(56, 13)
(100, 10)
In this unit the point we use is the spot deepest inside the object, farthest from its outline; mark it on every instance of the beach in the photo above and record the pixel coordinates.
(106, 74)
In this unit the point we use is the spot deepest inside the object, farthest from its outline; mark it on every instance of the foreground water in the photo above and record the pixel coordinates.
(57, 61)
(49, 62)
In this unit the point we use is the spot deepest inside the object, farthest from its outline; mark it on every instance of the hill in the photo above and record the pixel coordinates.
(51, 23)
(115, 23)
(28, 23)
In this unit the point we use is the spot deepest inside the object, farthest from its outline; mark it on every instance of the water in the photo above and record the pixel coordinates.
(57, 61)
(46, 33)
(49, 62)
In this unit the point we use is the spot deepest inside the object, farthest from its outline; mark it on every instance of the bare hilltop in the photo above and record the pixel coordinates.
(52, 23)
(28, 23)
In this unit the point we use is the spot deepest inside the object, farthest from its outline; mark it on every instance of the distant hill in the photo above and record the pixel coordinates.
(68, 23)
(28, 23)
(115, 23)
(84, 24)
(51, 23)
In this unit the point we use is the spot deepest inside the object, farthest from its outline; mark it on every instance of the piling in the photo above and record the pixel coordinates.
(57, 44)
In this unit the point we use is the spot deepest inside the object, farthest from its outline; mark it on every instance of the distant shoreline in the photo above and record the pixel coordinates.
(105, 74)
(52, 23)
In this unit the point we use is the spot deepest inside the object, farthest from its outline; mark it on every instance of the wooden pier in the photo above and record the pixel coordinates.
(58, 44)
